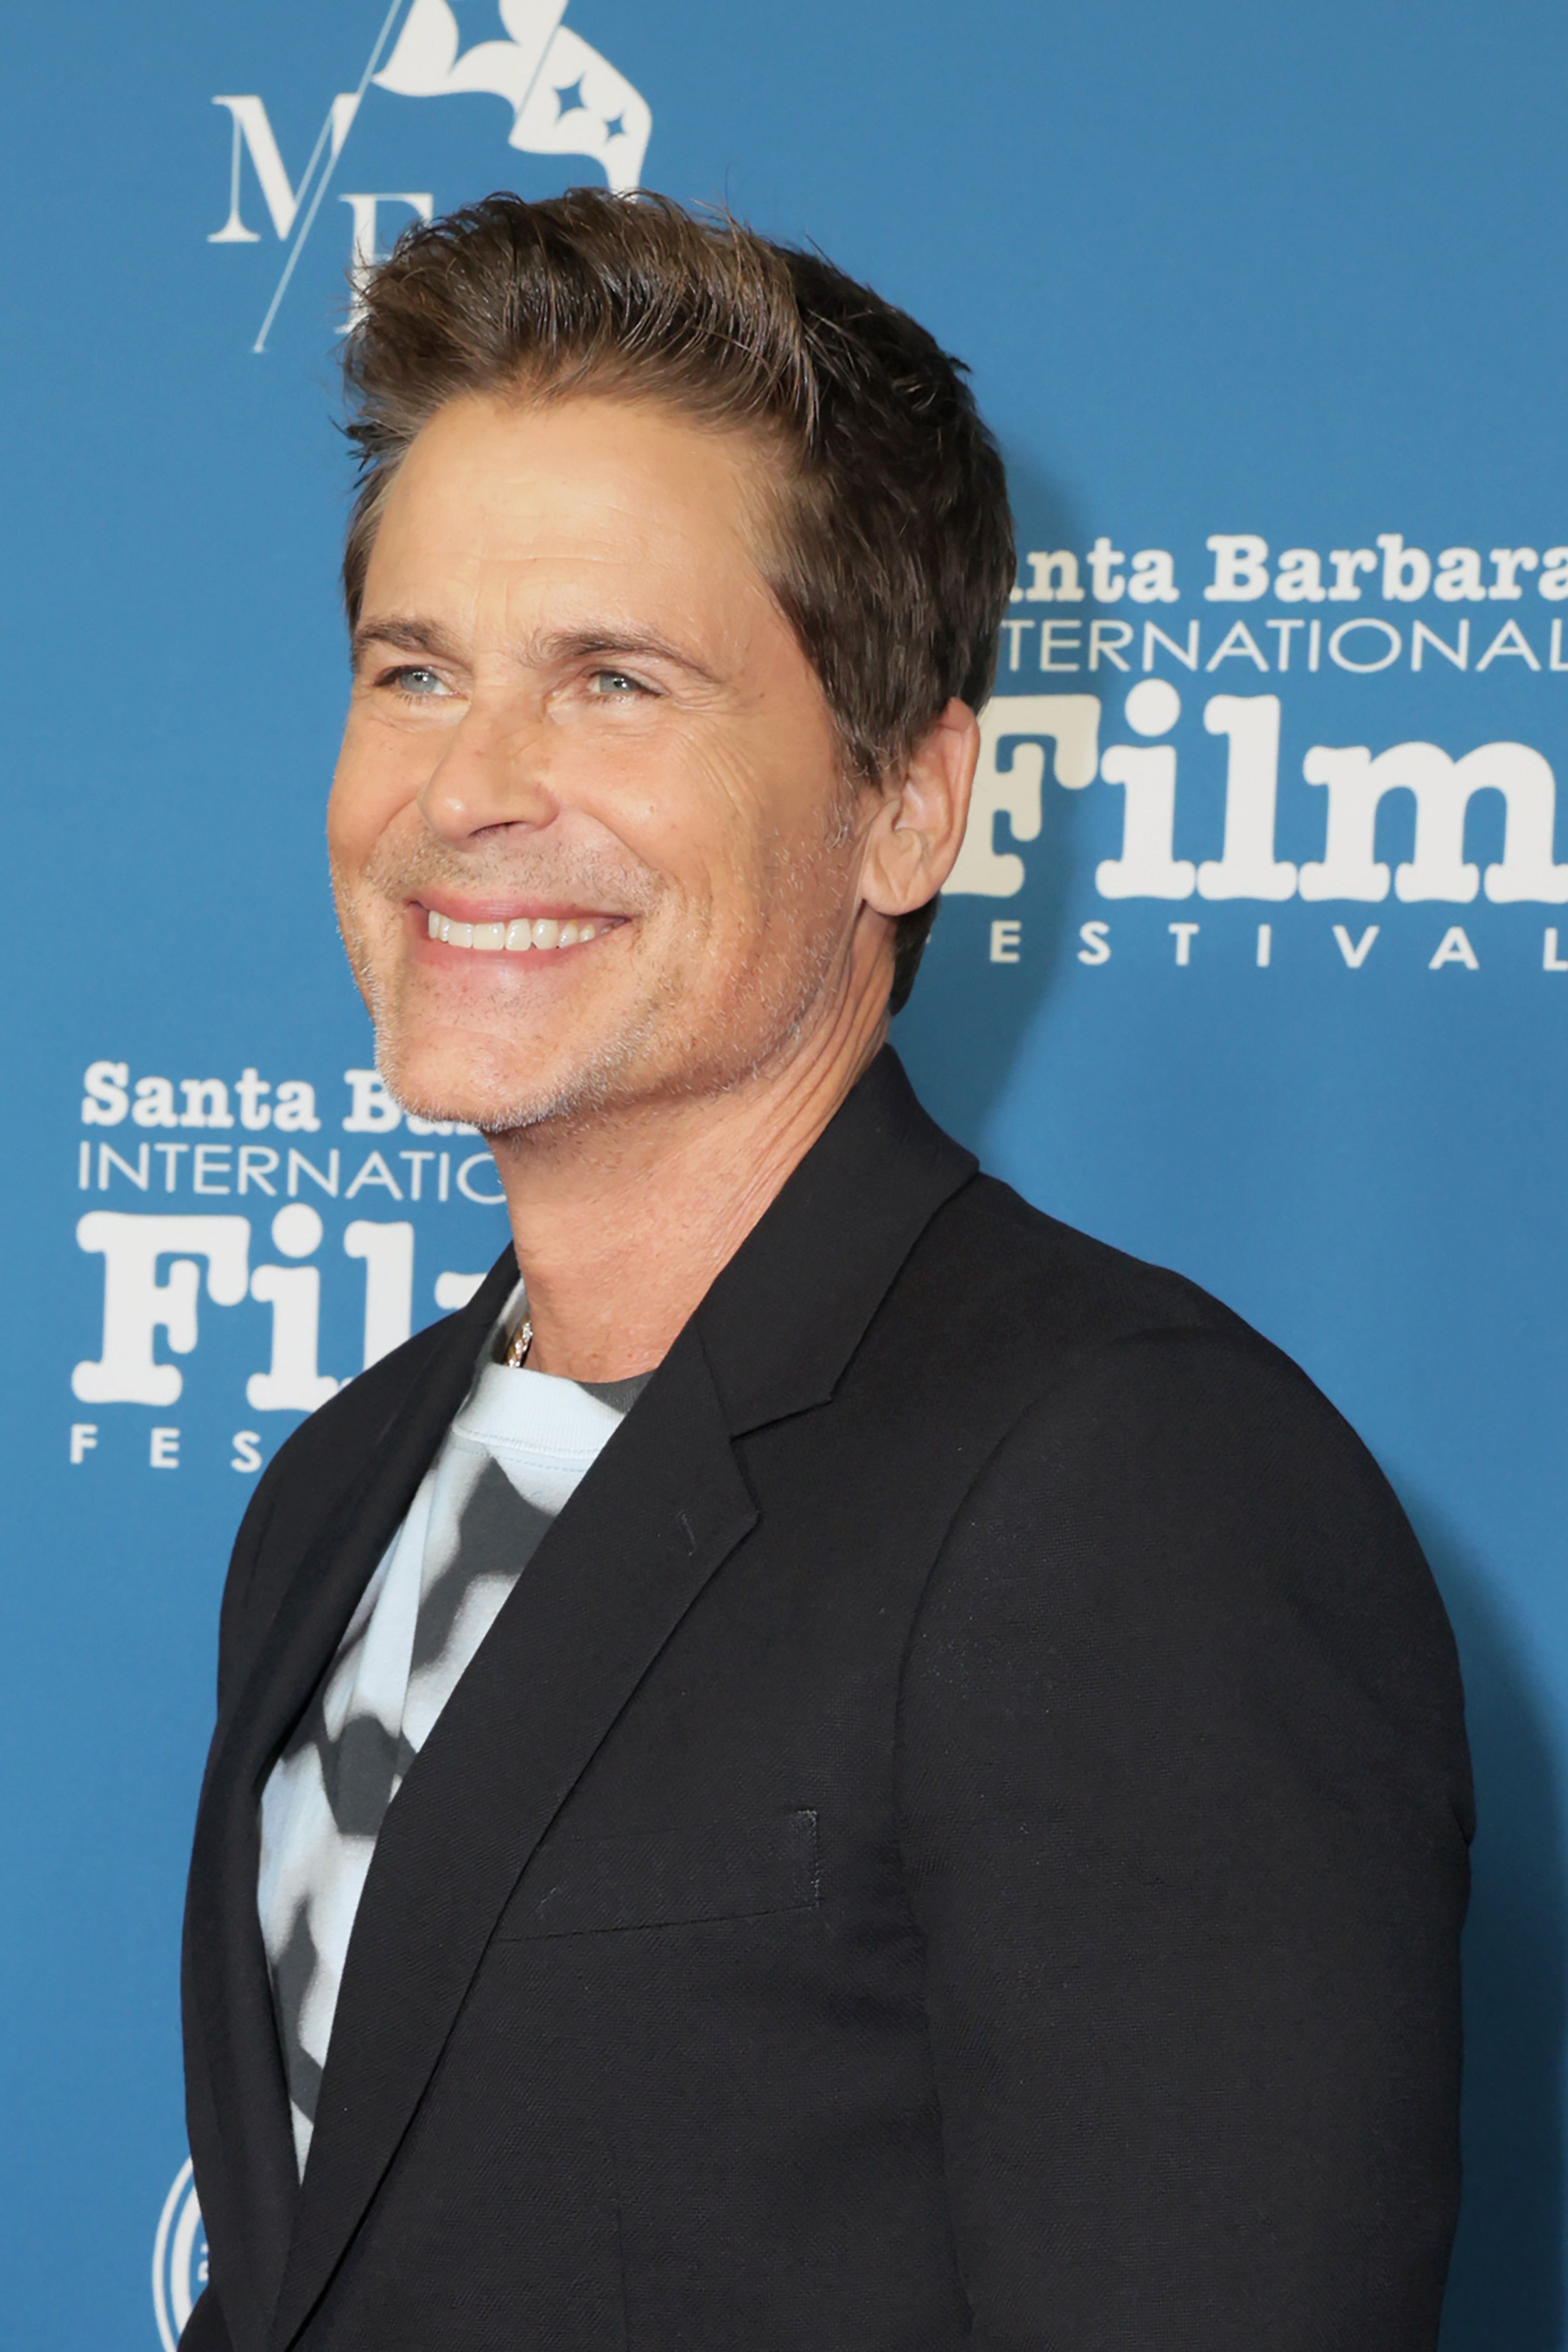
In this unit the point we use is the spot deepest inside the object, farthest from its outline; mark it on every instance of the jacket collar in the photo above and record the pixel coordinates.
(782, 1319)
(661, 1510)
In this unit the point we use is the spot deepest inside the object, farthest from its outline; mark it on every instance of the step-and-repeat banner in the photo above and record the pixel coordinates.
(1256, 962)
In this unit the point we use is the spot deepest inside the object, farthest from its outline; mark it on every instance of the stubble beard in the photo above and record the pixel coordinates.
(759, 1023)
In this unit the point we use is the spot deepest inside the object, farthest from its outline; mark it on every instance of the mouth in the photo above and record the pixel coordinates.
(518, 935)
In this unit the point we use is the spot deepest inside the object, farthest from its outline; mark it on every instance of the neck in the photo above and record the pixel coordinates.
(621, 1223)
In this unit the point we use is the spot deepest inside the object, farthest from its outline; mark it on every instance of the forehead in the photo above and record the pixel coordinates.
(588, 489)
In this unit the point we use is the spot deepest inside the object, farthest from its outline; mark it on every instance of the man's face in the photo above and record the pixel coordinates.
(576, 704)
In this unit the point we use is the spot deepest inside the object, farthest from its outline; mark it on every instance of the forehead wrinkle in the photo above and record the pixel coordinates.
(747, 517)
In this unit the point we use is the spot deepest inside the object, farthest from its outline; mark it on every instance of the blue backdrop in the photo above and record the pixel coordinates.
(1259, 965)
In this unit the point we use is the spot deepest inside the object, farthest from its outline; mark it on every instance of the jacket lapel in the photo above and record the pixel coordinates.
(662, 1508)
(789, 1310)
(248, 2181)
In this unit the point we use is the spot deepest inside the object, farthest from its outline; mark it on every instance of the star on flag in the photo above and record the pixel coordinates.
(566, 99)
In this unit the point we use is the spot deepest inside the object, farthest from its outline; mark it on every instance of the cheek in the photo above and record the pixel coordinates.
(720, 822)
(364, 799)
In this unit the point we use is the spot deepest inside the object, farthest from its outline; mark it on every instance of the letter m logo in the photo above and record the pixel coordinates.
(253, 135)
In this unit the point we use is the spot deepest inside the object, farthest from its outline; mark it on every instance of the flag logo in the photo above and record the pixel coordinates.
(565, 99)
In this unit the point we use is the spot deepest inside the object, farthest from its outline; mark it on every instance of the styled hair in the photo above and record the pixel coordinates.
(891, 553)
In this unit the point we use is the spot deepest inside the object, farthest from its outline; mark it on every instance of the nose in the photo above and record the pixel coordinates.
(494, 772)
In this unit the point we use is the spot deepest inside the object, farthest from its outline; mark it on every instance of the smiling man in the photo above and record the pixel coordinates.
(831, 1763)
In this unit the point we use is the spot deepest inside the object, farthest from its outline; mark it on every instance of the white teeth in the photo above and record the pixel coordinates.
(545, 932)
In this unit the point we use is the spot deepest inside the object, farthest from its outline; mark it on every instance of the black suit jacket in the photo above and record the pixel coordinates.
(957, 1838)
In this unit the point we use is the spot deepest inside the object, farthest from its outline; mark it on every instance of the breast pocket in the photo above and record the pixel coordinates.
(736, 1869)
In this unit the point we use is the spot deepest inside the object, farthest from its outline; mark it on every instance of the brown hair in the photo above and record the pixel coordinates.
(894, 552)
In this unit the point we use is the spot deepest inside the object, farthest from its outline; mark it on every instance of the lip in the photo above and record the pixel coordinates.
(507, 910)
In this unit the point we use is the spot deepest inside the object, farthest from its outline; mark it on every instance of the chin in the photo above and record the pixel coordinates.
(499, 1093)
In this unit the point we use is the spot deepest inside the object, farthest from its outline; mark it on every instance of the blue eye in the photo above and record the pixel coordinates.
(417, 680)
(614, 686)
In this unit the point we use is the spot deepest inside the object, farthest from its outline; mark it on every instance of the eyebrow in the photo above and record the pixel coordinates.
(577, 645)
(415, 635)
(409, 636)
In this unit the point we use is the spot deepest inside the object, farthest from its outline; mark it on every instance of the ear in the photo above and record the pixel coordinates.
(916, 834)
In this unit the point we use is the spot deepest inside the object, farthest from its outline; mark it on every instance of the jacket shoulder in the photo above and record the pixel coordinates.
(1023, 1281)
(1159, 1468)
(1038, 1318)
